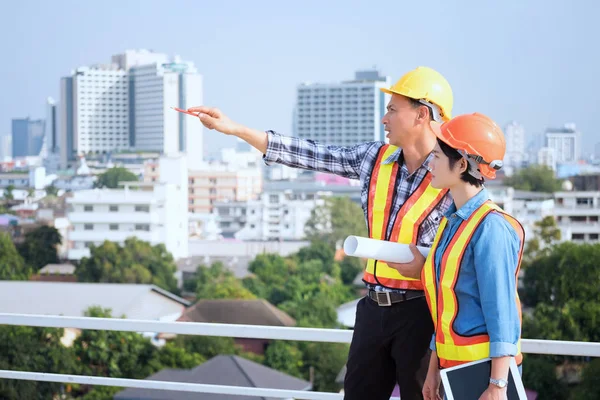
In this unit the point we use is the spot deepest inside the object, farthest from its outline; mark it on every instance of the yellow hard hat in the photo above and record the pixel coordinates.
(426, 84)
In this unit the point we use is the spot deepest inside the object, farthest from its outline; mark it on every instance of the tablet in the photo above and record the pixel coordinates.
(468, 381)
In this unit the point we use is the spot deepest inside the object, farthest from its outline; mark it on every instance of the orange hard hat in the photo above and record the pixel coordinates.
(477, 138)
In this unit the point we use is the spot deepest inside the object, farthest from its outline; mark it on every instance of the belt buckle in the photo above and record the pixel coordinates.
(386, 296)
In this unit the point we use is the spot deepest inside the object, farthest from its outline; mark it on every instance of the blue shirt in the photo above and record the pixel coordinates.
(486, 285)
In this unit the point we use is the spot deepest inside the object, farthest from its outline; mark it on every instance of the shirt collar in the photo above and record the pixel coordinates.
(396, 156)
(470, 206)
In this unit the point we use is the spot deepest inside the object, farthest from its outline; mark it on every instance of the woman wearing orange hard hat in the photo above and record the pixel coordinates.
(470, 274)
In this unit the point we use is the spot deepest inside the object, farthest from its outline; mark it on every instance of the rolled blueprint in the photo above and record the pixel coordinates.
(357, 246)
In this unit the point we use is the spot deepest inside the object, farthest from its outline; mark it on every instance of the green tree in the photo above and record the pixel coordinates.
(135, 262)
(589, 388)
(546, 234)
(335, 220)
(8, 193)
(12, 266)
(317, 251)
(40, 247)
(111, 178)
(327, 359)
(124, 355)
(568, 272)
(207, 346)
(286, 357)
(312, 310)
(351, 267)
(24, 348)
(539, 374)
(536, 178)
(51, 190)
(217, 282)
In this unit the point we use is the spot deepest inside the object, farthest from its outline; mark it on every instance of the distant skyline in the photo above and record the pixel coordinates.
(532, 62)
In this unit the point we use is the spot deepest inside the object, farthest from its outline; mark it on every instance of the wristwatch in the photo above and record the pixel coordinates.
(501, 383)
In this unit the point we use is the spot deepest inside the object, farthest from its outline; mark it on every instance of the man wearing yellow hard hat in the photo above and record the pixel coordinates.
(393, 325)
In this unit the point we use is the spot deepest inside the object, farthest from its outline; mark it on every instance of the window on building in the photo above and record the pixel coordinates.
(594, 236)
(273, 198)
(113, 227)
(142, 227)
(113, 208)
(142, 208)
(88, 227)
(88, 208)
(577, 236)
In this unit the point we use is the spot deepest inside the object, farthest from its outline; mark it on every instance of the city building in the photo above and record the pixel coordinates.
(27, 137)
(126, 105)
(5, 146)
(237, 177)
(547, 156)
(95, 112)
(154, 212)
(344, 113)
(577, 214)
(515, 145)
(156, 88)
(566, 143)
(280, 214)
(50, 148)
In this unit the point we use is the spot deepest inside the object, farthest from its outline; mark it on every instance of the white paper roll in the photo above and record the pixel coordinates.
(357, 246)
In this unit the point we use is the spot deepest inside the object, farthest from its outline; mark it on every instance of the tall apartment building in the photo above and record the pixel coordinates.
(344, 113)
(566, 143)
(95, 111)
(156, 127)
(126, 105)
(27, 136)
(577, 214)
(515, 145)
(155, 212)
(50, 148)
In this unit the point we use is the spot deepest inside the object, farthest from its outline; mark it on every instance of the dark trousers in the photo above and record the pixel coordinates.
(389, 345)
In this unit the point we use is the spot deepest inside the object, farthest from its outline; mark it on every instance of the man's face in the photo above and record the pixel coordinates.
(401, 120)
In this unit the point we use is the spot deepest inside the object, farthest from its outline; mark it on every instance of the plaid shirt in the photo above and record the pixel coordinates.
(356, 162)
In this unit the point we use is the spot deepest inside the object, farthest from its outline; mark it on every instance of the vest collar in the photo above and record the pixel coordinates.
(470, 206)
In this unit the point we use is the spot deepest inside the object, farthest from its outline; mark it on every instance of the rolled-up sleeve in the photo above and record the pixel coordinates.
(308, 154)
(432, 343)
(496, 256)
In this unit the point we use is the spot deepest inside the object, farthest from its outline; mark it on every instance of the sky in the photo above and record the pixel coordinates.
(535, 62)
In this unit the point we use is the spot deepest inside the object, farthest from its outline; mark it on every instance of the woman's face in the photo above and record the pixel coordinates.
(444, 177)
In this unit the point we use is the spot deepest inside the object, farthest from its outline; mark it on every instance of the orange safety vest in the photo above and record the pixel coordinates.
(382, 189)
(453, 349)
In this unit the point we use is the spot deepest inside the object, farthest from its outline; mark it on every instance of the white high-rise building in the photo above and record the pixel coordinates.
(547, 156)
(155, 89)
(566, 143)
(95, 111)
(127, 105)
(344, 113)
(515, 145)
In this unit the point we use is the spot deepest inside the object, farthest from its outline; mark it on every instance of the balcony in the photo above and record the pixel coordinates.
(532, 346)
(96, 217)
(114, 236)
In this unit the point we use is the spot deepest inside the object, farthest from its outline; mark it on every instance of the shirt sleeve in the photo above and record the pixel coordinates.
(308, 154)
(432, 343)
(496, 255)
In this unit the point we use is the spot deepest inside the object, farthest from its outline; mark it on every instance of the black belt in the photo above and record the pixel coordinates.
(389, 298)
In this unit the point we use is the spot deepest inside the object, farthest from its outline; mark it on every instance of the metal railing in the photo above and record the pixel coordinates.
(533, 346)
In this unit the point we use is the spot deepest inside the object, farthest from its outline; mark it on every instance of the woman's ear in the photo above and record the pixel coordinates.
(464, 165)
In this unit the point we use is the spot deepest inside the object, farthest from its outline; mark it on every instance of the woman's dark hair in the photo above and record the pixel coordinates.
(453, 157)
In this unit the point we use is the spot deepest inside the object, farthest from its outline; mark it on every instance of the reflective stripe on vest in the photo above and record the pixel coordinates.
(382, 189)
(453, 349)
